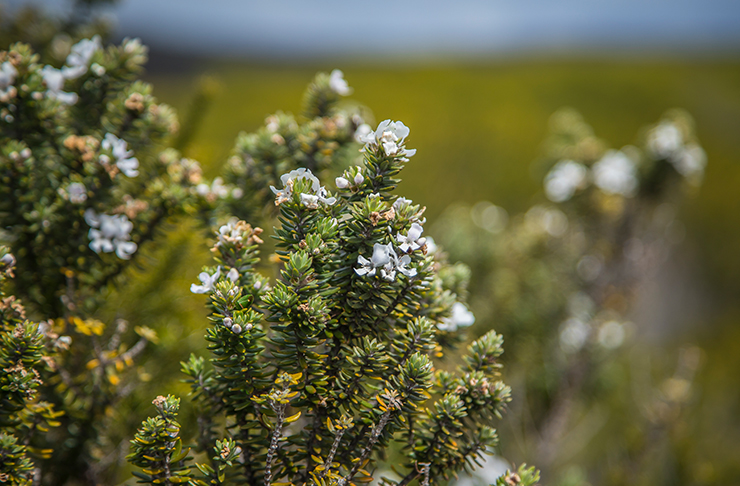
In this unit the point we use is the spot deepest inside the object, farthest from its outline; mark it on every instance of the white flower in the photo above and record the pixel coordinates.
(338, 84)
(359, 178)
(664, 140)
(401, 266)
(460, 317)
(391, 136)
(208, 281)
(310, 200)
(363, 132)
(401, 202)
(616, 173)
(108, 233)
(54, 80)
(611, 335)
(229, 233)
(8, 72)
(79, 59)
(77, 192)
(413, 240)
(690, 161)
(573, 334)
(233, 275)
(119, 149)
(341, 182)
(564, 179)
(385, 259)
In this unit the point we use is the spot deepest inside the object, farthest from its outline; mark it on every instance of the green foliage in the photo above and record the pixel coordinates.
(86, 181)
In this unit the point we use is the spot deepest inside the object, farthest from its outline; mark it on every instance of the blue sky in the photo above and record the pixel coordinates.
(397, 29)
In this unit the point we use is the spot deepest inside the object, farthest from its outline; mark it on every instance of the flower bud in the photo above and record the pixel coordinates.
(228, 322)
(236, 329)
(359, 178)
(341, 182)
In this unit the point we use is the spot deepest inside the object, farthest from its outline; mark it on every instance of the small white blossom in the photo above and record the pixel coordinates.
(391, 136)
(615, 173)
(573, 334)
(413, 240)
(401, 202)
(108, 233)
(363, 132)
(54, 80)
(401, 266)
(208, 281)
(233, 275)
(690, 161)
(341, 183)
(564, 179)
(217, 189)
(611, 335)
(664, 140)
(311, 201)
(77, 193)
(119, 148)
(460, 317)
(78, 60)
(8, 72)
(338, 84)
(359, 179)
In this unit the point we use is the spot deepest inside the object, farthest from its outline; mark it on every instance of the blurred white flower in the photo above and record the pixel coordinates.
(564, 179)
(233, 275)
(78, 60)
(77, 193)
(460, 317)
(664, 140)
(615, 173)
(386, 260)
(54, 80)
(401, 202)
(123, 157)
(573, 334)
(208, 281)
(611, 335)
(108, 233)
(338, 84)
(8, 72)
(690, 161)
(362, 133)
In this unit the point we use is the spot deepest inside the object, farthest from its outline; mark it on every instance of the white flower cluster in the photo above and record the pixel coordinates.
(123, 157)
(310, 200)
(8, 72)
(390, 135)
(666, 141)
(217, 190)
(208, 281)
(109, 233)
(460, 317)
(75, 193)
(77, 64)
(614, 173)
(338, 84)
(345, 182)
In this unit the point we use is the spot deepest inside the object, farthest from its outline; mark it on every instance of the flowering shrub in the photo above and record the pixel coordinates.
(316, 376)
(86, 181)
(567, 275)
